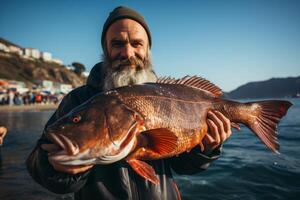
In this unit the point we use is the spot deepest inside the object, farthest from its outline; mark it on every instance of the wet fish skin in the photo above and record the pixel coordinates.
(154, 121)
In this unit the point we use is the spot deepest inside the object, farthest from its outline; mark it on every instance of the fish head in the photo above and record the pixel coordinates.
(100, 131)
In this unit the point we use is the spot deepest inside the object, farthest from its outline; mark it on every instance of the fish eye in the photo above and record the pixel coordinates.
(76, 119)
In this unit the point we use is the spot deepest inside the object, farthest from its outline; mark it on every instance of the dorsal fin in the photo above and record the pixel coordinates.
(193, 81)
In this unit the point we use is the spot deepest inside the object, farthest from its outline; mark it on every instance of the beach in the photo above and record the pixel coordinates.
(32, 107)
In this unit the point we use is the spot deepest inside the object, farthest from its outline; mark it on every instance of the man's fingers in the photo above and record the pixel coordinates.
(213, 130)
(50, 147)
(3, 131)
(226, 121)
(222, 123)
(208, 139)
(211, 144)
(212, 116)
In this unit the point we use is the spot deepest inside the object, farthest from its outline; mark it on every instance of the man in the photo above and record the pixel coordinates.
(126, 43)
(3, 132)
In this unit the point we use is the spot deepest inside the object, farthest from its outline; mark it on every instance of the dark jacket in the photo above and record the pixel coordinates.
(117, 180)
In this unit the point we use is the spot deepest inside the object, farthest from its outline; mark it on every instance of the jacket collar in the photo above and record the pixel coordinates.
(96, 77)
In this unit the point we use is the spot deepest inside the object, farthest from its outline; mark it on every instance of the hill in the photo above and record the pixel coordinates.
(275, 87)
(15, 67)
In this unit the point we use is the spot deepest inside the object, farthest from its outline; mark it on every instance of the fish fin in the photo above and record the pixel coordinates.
(144, 170)
(161, 140)
(235, 125)
(266, 121)
(193, 81)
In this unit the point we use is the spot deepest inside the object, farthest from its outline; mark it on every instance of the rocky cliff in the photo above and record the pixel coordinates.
(14, 67)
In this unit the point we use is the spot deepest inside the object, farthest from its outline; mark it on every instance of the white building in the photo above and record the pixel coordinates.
(31, 53)
(46, 56)
(45, 85)
(26, 53)
(3, 47)
(16, 50)
(10, 47)
(19, 86)
(35, 53)
(62, 88)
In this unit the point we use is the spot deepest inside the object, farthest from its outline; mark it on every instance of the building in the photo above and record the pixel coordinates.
(10, 47)
(46, 56)
(53, 87)
(62, 88)
(32, 53)
(29, 53)
(17, 86)
(35, 53)
(4, 48)
(45, 85)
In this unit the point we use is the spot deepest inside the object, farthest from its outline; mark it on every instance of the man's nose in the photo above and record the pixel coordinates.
(127, 51)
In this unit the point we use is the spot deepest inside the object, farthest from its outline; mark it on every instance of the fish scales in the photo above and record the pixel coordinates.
(154, 121)
(180, 111)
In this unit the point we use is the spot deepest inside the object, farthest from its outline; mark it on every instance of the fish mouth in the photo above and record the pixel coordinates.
(74, 157)
(63, 142)
(69, 153)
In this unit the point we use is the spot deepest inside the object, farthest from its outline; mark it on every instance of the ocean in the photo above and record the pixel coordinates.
(246, 170)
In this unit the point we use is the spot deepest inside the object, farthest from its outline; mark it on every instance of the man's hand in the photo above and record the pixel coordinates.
(52, 148)
(219, 130)
(3, 132)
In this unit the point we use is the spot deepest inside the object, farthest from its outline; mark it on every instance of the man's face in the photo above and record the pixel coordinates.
(126, 39)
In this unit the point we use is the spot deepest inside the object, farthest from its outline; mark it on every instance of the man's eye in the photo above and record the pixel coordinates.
(136, 44)
(117, 44)
(76, 119)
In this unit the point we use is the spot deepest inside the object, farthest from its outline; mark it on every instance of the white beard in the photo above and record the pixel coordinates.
(127, 76)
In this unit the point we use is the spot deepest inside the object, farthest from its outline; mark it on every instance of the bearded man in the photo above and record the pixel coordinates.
(126, 43)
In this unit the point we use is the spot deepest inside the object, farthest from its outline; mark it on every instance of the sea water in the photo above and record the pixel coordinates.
(246, 169)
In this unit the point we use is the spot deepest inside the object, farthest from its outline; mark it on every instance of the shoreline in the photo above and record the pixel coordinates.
(34, 107)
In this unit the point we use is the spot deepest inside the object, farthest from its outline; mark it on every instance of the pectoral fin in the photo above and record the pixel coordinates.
(161, 140)
(144, 170)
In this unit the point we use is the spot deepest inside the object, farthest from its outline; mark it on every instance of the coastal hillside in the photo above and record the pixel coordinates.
(275, 87)
(14, 67)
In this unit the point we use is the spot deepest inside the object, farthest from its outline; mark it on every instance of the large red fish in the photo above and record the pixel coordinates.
(153, 121)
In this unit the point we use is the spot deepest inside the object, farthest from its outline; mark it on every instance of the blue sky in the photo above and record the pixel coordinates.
(229, 42)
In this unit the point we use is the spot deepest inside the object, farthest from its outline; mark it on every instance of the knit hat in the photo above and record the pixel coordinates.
(123, 12)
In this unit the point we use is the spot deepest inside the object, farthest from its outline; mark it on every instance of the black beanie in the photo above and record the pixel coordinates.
(123, 12)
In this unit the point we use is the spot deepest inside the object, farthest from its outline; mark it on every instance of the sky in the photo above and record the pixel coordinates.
(229, 42)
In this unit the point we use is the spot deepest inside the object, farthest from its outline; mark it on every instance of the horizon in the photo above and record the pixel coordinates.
(230, 43)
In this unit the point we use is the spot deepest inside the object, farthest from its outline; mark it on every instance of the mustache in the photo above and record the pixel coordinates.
(123, 64)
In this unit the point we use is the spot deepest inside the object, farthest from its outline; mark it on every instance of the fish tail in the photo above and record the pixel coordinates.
(263, 119)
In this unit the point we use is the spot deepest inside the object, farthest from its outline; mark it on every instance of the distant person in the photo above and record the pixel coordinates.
(38, 98)
(18, 99)
(126, 43)
(2, 97)
(3, 132)
(11, 96)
